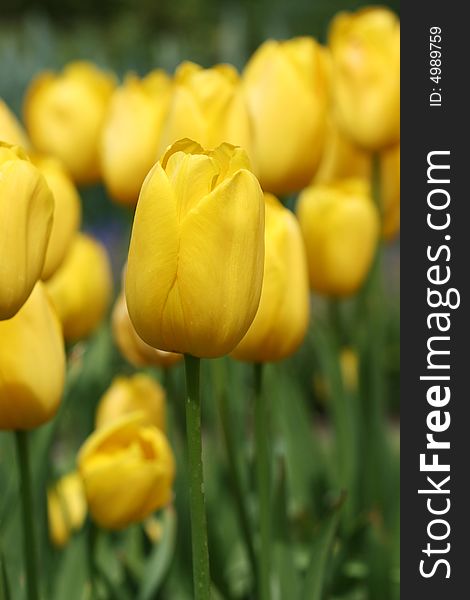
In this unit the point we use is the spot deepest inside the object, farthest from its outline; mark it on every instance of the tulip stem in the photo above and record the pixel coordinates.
(264, 486)
(201, 576)
(29, 537)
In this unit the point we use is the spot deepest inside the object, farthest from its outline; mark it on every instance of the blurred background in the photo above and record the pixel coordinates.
(140, 35)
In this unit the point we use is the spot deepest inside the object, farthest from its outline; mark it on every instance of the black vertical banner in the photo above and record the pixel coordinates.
(435, 275)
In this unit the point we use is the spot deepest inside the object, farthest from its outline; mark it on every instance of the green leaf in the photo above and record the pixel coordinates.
(320, 555)
(4, 586)
(159, 561)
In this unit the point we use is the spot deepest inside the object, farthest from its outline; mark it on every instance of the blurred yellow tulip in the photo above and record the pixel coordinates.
(196, 256)
(128, 470)
(349, 365)
(390, 191)
(64, 114)
(340, 226)
(32, 364)
(11, 130)
(67, 212)
(286, 86)
(207, 105)
(81, 288)
(365, 49)
(341, 158)
(66, 508)
(26, 214)
(130, 394)
(282, 318)
(131, 133)
(131, 346)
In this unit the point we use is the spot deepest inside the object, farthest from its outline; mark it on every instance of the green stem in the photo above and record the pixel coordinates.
(29, 538)
(264, 486)
(92, 533)
(201, 576)
(235, 478)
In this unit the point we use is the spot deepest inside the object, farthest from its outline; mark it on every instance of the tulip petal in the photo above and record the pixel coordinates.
(26, 212)
(220, 267)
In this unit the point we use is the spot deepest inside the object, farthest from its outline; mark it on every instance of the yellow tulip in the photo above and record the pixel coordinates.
(207, 105)
(66, 508)
(365, 49)
(282, 318)
(81, 288)
(130, 394)
(390, 191)
(32, 364)
(64, 115)
(67, 212)
(340, 226)
(11, 130)
(286, 85)
(341, 158)
(26, 213)
(131, 346)
(131, 133)
(128, 470)
(196, 256)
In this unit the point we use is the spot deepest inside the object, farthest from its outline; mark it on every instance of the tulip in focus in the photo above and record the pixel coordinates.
(66, 508)
(207, 105)
(195, 267)
(128, 470)
(81, 288)
(11, 130)
(32, 364)
(365, 49)
(390, 191)
(133, 394)
(131, 133)
(286, 86)
(65, 113)
(67, 212)
(340, 227)
(131, 346)
(282, 318)
(26, 214)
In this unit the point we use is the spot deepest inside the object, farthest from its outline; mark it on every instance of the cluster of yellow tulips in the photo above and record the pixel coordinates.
(217, 264)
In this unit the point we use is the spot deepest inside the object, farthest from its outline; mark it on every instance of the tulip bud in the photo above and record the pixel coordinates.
(207, 105)
(26, 212)
(128, 471)
(365, 48)
(196, 255)
(282, 318)
(130, 394)
(32, 364)
(64, 115)
(390, 191)
(340, 227)
(10, 129)
(286, 86)
(341, 158)
(81, 288)
(67, 212)
(131, 346)
(131, 133)
(66, 508)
